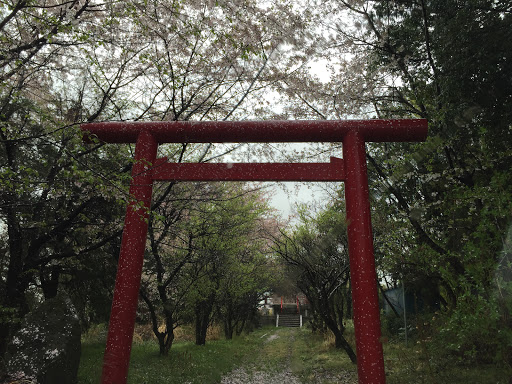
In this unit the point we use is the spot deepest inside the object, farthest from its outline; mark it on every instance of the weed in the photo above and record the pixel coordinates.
(311, 357)
(186, 361)
(414, 365)
(316, 360)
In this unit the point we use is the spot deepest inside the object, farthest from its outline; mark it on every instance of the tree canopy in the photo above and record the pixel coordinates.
(441, 210)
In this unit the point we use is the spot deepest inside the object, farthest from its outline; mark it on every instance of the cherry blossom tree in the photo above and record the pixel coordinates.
(67, 62)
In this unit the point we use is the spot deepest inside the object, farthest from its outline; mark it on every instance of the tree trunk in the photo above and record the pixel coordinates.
(49, 282)
(203, 311)
(388, 301)
(165, 343)
(16, 282)
(349, 300)
(160, 336)
(201, 326)
(228, 329)
(165, 340)
(341, 342)
(241, 326)
(228, 320)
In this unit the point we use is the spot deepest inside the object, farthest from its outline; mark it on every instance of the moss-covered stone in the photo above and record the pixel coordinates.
(47, 348)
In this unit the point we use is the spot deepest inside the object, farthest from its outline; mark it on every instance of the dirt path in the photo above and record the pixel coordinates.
(285, 357)
(253, 373)
(241, 376)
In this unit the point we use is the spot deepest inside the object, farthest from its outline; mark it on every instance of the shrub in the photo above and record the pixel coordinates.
(473, 333)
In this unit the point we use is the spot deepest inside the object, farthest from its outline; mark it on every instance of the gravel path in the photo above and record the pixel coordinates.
(241, 376)
(249, 374)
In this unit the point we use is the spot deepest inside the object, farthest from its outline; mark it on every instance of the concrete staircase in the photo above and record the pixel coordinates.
(288, 321)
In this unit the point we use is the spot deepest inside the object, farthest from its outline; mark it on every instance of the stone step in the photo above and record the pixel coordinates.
(289, 321)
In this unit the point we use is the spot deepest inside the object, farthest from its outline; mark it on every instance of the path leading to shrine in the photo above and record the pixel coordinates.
(285, 358)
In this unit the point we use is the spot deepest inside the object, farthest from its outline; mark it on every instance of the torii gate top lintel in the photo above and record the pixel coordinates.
(265, 131)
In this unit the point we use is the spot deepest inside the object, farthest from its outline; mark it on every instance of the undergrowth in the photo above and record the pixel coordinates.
(316, 360)
(186, 362)
(310, 357)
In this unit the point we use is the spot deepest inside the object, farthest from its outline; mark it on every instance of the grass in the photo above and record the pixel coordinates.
(272, 355)
(412, 365)
(186, 362)
(312, 358)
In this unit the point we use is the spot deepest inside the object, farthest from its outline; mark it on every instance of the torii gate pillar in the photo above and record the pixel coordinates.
(351, 169)
(366, 314)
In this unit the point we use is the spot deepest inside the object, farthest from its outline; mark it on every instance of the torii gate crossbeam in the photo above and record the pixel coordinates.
(351, 169)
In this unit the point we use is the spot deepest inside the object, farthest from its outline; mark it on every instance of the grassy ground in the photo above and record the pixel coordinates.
(186, 362)
(406, 365)
(315, 360)
(311, 358)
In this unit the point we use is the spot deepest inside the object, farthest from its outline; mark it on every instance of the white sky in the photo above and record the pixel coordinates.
(286, 203)
(287, 196)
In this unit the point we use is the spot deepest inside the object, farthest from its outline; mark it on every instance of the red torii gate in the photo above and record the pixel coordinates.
(351, 169)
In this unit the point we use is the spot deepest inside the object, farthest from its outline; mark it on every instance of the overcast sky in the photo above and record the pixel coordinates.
(286, 196)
